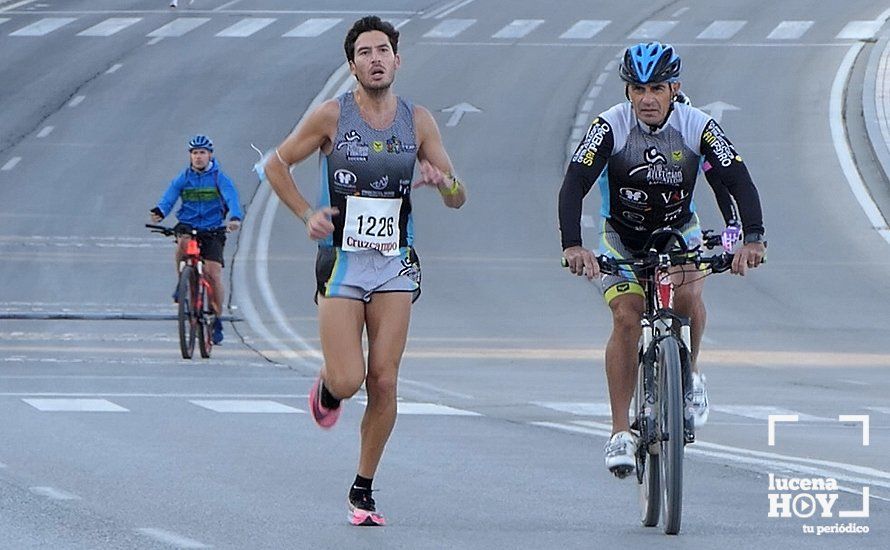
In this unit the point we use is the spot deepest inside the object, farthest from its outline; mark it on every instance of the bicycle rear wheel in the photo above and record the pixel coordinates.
(187, 315)
(648, 467)
(672, 436)
(205, 323)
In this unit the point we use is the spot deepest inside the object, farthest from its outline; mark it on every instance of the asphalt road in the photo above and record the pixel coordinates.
(504, 400)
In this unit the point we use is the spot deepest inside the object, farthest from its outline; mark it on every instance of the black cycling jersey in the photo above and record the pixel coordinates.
(647, 176)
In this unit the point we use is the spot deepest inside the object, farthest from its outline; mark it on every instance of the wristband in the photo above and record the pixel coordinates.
(454, 189)
(307, 214)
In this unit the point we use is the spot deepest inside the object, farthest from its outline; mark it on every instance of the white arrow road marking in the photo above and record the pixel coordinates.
(717, 108)
(457, 112)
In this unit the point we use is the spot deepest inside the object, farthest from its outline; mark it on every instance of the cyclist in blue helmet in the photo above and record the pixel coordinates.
(647, 152)
(207, 197)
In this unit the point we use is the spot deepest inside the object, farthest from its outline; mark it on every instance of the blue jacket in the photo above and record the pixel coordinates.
(206, 197)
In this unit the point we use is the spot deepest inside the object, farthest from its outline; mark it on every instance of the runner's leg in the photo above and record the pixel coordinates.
(387, 316)
(340, 323)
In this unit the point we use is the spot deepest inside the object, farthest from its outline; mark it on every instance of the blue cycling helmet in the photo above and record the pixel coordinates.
(200, 141)
(649, 64)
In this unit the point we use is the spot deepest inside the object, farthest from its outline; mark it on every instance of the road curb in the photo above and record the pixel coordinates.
(876, 103)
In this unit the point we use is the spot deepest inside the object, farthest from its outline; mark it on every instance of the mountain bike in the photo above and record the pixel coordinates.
(662, 403)
(194, 293)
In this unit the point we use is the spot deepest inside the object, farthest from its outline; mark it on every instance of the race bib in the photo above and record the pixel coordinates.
(372, 224)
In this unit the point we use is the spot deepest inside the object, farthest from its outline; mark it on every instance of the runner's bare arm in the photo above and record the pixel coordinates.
(314, 133)
(435, 165)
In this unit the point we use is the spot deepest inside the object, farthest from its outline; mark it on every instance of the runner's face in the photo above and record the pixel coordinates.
(200, 158)
(651, 102)
(375, 63)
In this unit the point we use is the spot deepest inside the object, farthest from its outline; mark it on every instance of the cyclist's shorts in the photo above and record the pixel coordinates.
(626, 282)
(212, 244)
(358, 275)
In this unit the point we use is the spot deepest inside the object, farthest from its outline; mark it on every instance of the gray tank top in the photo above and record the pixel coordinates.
(370, 164)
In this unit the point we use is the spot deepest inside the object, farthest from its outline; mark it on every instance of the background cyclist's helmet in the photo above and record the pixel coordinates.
(200, 141)
(649, 63)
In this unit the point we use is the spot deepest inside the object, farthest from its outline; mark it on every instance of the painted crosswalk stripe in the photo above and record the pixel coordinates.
(53, 493)
(312, 27)
(790, 30)
(860, 30)
(246, 27)
(44, 26)
(578, 408)
(721, 30)
(47, 130)
(652, 29)
(245, 406)
(170, 538)
(584, 29)
(110, 26)
(10, 164)
(75, 405)
(76, 100)
(762, 412)
(178, 27)
(432, 409)
(518, 28)
(450, 28)
(3, 20)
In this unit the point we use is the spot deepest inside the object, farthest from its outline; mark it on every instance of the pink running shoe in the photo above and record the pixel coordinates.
(324, 417)
(362, 509)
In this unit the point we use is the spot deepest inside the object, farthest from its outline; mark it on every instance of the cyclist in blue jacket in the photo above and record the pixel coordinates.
(207, 197)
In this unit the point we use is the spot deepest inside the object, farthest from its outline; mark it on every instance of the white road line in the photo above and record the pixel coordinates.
(432, 409)
(450, 28)
(518, 28)
(721, 30)
(453, 9)
(578, 408)
(3, 20)
(762, 412)
(842, 146)
(154, 40)
(17, 5)
(883, 410)
(47, 130)
(246, 406)
(246, 27)
(178, 27)
(789, 30)
(584, 29)
(53, 493)
(74, 405)
(680, 12)
(651, 30)
(439, 10)
(110, 26)
(44, 26)
(113, 68)
(171, 538)
(821, 468)
(77, 100)
(860, 30)
(313, 27)
(226, 5)
(10, 164)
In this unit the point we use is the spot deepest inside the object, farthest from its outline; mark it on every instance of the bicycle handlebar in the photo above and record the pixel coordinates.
(172, 232)
(611, 266)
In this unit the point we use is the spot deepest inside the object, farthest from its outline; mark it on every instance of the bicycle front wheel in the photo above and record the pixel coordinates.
(648, 467)
(187, 316)
(205, 323)
(670, 386)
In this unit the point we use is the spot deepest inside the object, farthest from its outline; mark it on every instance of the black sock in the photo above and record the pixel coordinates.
(363, 483)
(328, 401)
